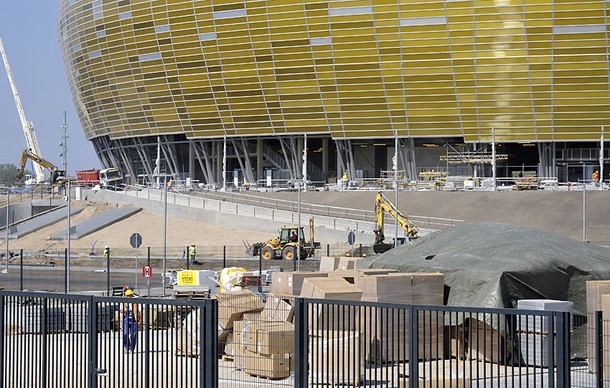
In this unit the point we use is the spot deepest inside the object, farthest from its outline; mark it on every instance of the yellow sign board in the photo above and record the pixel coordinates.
(188, 278)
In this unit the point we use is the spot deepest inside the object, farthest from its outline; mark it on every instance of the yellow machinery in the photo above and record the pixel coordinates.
(288, 244)
(382, 205)
(56, 175)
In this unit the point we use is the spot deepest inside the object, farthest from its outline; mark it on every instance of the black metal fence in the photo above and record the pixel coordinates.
(54, 340)
(57, 340)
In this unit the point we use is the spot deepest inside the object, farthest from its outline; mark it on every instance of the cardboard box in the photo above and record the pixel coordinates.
(448, 382)
(480, 341)
(328, 263)
(335, 358)
(290, 283)
(386, 331)
(348, 262)
(187, 341)
(269, 338)
(272, 366)
(332, 317)
(405, 288)
(232, 306)
(595, 290)
(350, 274)
(278, 308)
(330, 288)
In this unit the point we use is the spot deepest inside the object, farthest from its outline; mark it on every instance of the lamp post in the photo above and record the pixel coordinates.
(164, 233)
(8, 196)
(396, 187)
(584, 204)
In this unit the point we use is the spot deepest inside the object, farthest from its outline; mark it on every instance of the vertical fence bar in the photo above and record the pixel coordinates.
(44, 320)
(20, 271)
(66, 270)
(188, 257)
(413, 345)
(563, 349)
(2, 326)
(599, 347)
(207, 336)
(108, 274)
(300, 344)
(91, 309)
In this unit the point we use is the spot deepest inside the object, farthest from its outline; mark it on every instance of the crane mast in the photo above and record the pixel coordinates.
(28, 128)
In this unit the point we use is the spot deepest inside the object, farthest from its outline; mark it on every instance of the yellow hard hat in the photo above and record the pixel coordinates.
(128, 292)
(192, 244)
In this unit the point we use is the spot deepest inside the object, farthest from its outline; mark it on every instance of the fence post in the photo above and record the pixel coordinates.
(563, 349)
(413, 345)
(92, 340)
(44, 357)
(208, 358)
(188, 257)
(224, 256)
(108, 274)
(599, 347)
(300, 344)
(20, 272)
(2, 326)
(66, 270)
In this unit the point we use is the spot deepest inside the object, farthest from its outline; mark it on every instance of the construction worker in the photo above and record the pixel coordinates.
(345, 180)
(170, 184)
(131, 317)
(192, 252)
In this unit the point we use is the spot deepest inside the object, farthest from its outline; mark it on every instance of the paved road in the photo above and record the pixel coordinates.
(48, 278)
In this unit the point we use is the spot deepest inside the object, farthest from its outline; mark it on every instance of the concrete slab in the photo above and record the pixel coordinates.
(96, 223)
(38, 222)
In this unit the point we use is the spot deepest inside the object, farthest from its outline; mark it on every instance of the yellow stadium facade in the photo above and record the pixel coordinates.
(255, 87)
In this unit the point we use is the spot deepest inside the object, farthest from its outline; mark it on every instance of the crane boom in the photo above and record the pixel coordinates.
(28, 128)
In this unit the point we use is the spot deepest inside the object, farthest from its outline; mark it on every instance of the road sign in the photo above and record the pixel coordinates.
(351, 237)
(147, 271)
(135, 240)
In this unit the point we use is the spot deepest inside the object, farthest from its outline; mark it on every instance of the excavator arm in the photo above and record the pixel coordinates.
(26, 154)
(382, 205)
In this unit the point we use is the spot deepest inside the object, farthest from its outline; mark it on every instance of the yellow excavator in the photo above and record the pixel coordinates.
(383, 205)
(287, 245)
(57, 176)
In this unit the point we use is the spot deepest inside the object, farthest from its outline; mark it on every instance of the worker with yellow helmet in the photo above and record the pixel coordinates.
(131, 318)
(192, 252)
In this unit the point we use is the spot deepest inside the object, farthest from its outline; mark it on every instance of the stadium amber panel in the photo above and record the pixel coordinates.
(524, 69)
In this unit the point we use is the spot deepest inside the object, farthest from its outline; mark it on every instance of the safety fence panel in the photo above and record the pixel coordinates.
(55, 340)
(374, 344)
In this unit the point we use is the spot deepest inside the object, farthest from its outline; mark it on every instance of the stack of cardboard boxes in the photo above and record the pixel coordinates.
(598, 299)
(534, 335)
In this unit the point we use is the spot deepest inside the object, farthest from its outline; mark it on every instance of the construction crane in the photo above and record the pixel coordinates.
(28, 127)
(383, 205)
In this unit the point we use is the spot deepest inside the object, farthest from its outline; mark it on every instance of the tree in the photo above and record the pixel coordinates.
(8, 175)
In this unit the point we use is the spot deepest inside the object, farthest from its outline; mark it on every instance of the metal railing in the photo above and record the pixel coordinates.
(52, 340)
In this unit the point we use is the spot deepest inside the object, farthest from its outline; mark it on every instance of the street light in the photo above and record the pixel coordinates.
(7, 229)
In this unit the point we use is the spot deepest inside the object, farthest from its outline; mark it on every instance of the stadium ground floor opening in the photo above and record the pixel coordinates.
(322, 159)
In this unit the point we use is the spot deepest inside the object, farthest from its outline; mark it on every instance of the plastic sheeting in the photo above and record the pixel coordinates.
(495, 265)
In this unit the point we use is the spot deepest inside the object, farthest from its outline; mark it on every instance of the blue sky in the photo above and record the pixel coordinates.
(28, 29)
